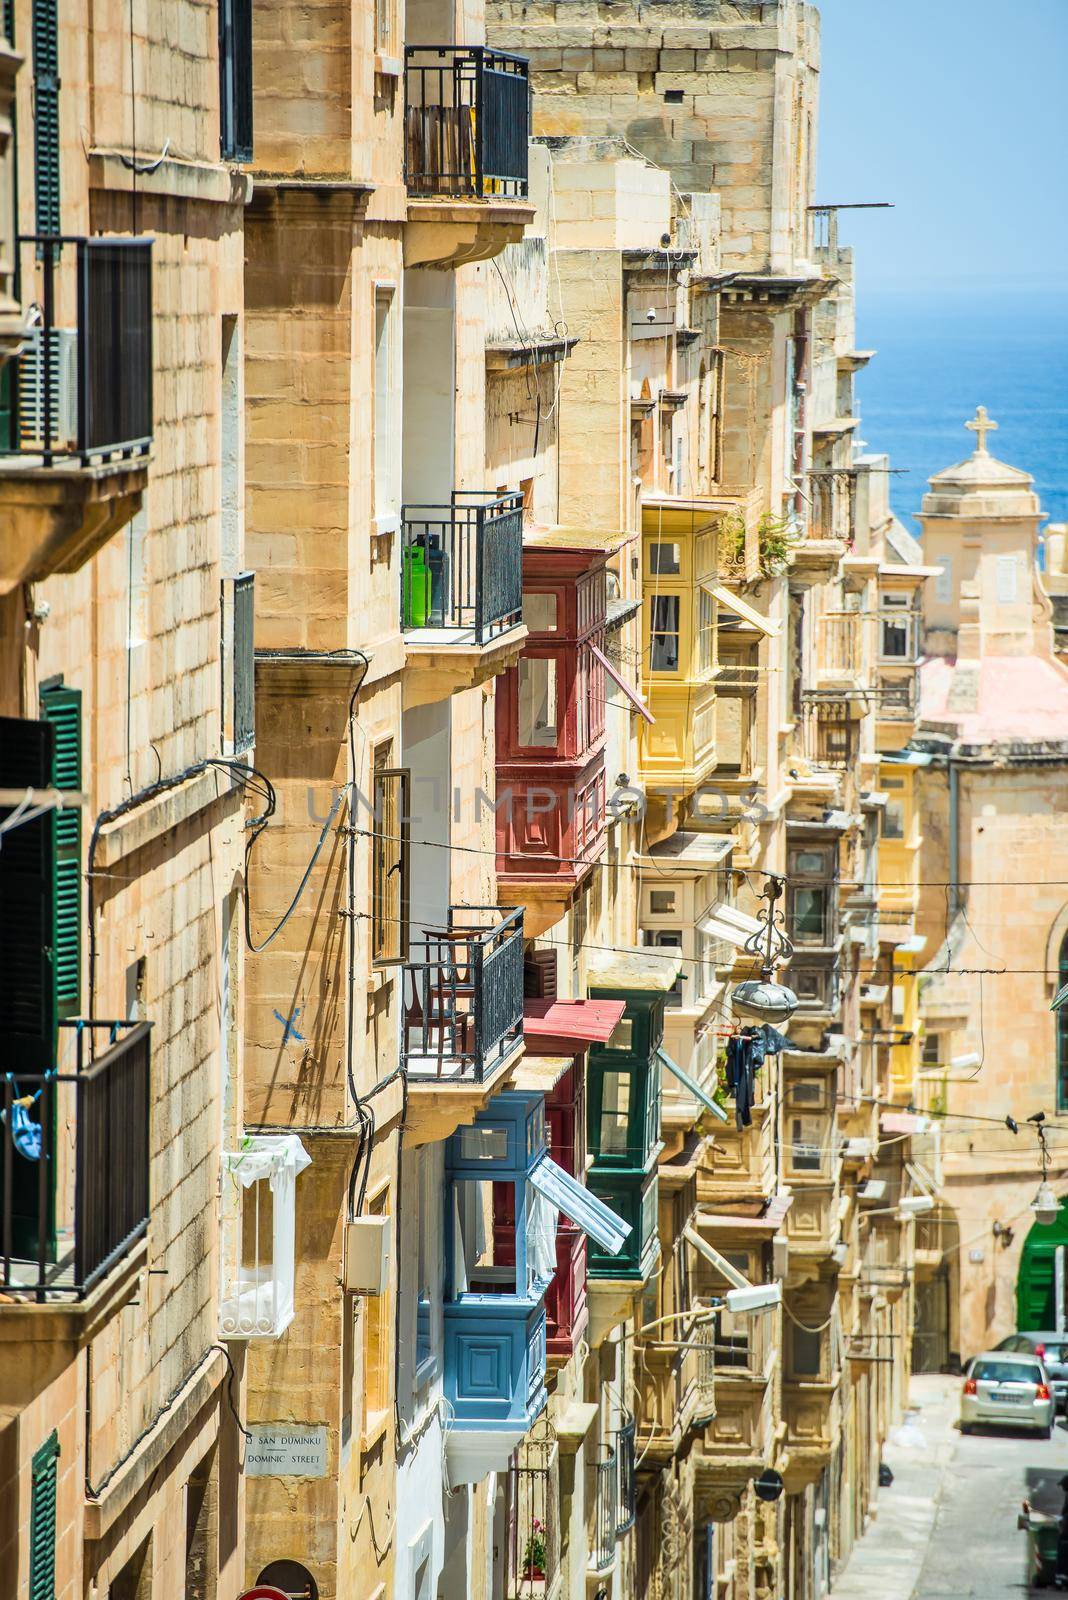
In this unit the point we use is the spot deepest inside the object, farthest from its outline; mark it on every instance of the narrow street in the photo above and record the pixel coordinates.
(946, 1528)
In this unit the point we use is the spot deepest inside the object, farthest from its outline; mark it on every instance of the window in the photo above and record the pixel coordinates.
(615, 1112)
(664, 558)
(385, 28)
(806, 1144)
(932, 1045)
(893, 825)
(706, 631)
(387, 454)
(538, 726)
(896, 697)
(662, 902)
(389, 861)
(378, 1317)
(664, 653)
(539, 612)
(810, 863)
(805, 1350)
(622, 1035)
(944, 581)
(808, 1092)
(44, 1474)
(810, 984)
(896, 628)
(46, 115)
(666, 939)
(810, 915)
(235, 79)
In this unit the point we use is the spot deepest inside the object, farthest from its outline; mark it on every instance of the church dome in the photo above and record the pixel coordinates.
(981, 486)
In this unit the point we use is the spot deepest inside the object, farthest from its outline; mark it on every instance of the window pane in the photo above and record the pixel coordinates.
(539, 612)
(661, 901)
(664, 558)
(894, 820)
(810, 861)
(537, 701)
(706, 616)
(484, 1144)
(664, 636)
(621, 1035)
(896, 638)
(386, 454)
(484, 1253)
(808, 913)
(806, 1352)
(615, 1112)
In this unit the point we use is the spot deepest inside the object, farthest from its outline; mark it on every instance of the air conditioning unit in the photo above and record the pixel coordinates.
(63, 361)
(367, 1248)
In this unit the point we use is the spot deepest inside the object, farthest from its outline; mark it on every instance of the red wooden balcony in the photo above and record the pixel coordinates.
(550, 711)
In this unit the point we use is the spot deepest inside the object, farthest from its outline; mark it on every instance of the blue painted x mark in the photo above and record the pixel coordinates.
(289, 1025)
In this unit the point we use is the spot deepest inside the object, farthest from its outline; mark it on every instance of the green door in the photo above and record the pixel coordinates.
(1035, 1310)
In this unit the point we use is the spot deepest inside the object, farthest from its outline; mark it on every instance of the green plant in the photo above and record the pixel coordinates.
(534, 1552)
(775, 537)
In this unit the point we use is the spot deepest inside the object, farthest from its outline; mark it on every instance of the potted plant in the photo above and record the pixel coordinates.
(534, 1553)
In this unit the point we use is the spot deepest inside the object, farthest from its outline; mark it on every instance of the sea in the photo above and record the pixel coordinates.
(941, 353)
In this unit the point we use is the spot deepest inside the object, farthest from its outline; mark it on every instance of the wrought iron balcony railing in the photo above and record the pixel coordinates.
(462, 565)
(605, 1511)
(82, 385)
(466, 123)
(463, 995)
(74, 1165)
(626, 1456)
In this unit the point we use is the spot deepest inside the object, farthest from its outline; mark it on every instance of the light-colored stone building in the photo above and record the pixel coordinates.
(992, 731)
(125, 684)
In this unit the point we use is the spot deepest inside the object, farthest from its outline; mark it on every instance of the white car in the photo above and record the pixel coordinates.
(1008, 1390)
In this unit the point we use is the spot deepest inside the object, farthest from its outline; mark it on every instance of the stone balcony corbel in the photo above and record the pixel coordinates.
(55, 518)
(448, 233)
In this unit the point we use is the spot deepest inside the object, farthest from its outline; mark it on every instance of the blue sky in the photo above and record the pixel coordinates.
(953, 109)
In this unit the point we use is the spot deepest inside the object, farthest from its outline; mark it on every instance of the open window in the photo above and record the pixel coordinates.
(259, 1198)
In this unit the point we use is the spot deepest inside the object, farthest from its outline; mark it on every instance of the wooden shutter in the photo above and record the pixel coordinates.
(27, 872)
(62, 708)
(235, 79)
(46, 115)
(389, 893)
(43, 1521)
(539, 975)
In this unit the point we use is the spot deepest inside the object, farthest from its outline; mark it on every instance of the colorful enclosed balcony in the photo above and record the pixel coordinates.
(503, 1196)
(623, 1121)
(558, 1034)
(550, 728)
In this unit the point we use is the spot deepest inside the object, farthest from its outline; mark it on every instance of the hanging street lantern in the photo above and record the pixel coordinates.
(762, 998)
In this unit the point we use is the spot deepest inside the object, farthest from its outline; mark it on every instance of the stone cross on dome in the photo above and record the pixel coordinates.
(981, 426)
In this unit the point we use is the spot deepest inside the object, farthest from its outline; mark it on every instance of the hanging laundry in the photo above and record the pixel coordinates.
(745, 1056)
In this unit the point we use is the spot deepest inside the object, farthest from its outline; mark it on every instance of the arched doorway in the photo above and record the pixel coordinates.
(1035, 1309)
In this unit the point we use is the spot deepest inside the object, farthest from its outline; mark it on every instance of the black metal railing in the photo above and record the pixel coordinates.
(74, 1165)
(466, 123)
(533, 1554)
(463, 995)
(462, 564)
(626, 1454)
(605, 1511)
(82, 384)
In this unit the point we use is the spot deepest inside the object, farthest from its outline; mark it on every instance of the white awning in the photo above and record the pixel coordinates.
(621, 683)
(596, 1219)
(729, 924)
(692, 1086)
(727, 597)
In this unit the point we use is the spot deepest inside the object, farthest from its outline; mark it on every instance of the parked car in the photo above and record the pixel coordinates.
(1007, 1389)
(1052, 1350)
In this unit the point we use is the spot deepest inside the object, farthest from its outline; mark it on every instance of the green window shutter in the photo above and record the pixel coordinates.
(62, 708)
(43, 1521)
(27, 873)
(46, 114)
